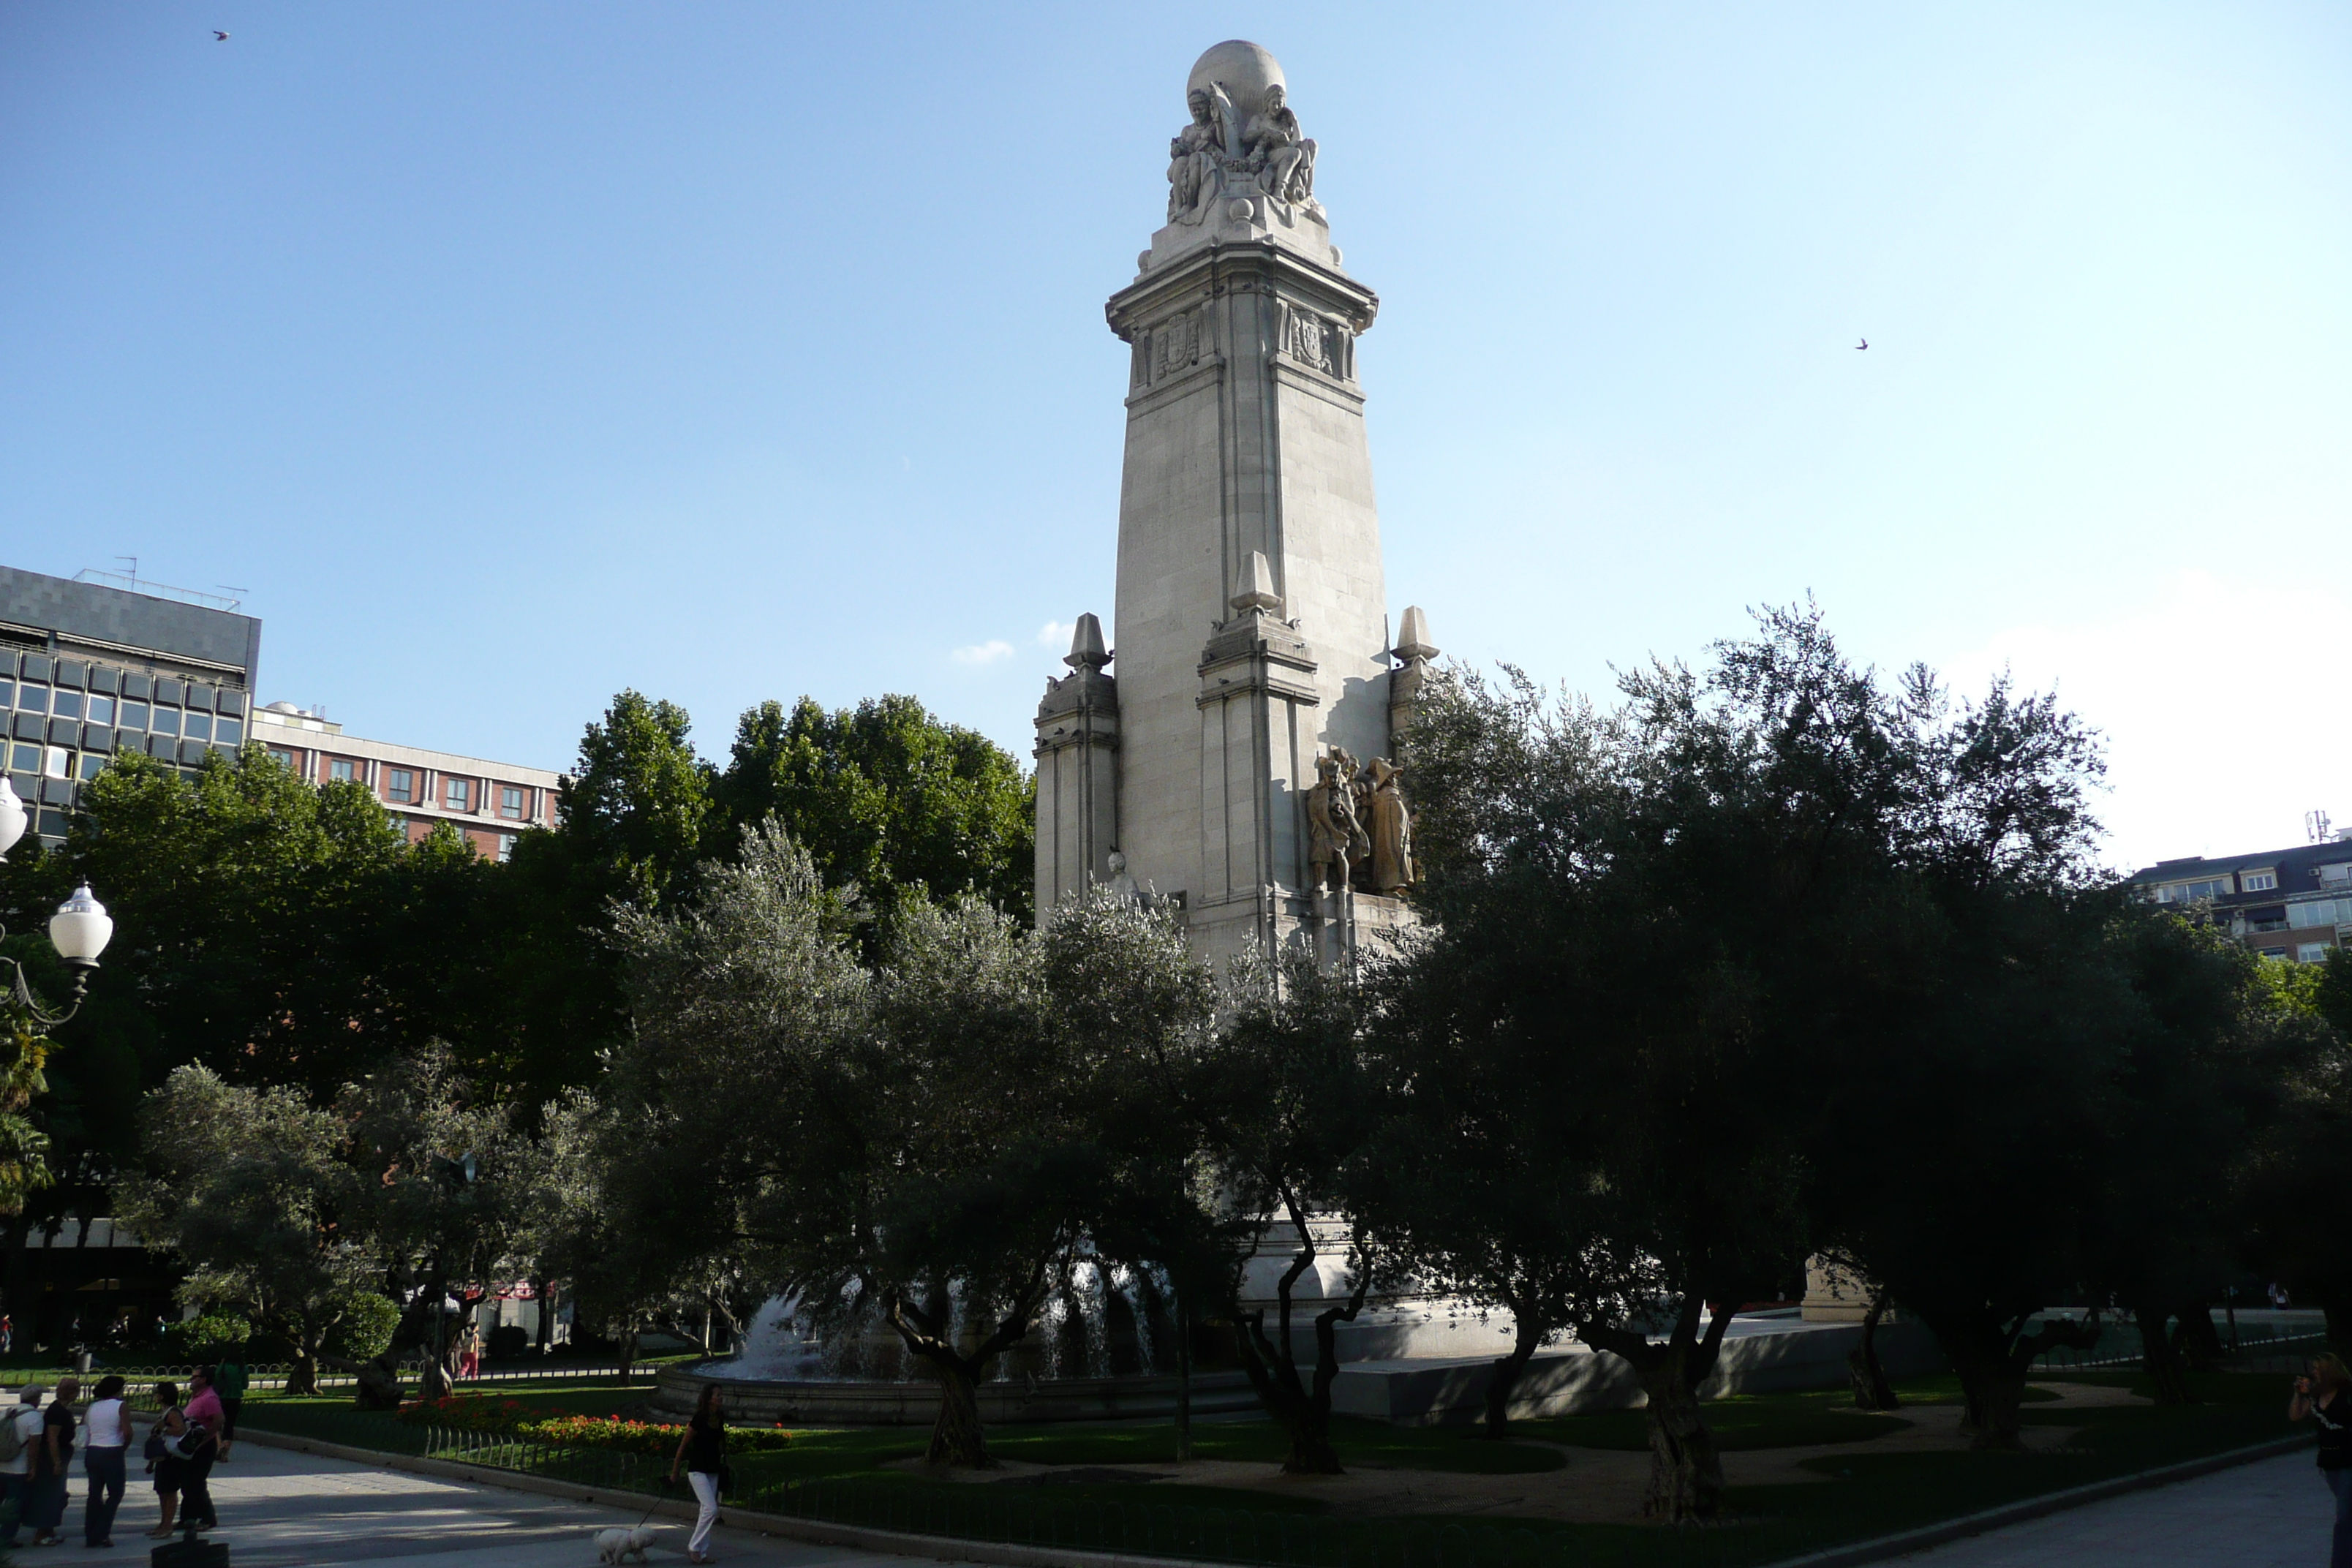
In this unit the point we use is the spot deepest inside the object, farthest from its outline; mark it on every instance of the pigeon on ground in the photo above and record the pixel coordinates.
(1864, 345)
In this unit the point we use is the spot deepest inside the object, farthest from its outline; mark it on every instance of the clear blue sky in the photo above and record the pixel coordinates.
(508, 355)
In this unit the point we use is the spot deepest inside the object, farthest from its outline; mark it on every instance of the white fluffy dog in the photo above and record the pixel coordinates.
(621, 1545)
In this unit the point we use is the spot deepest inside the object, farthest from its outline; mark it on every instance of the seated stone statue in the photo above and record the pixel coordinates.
(1284, 159)
(1195, 178)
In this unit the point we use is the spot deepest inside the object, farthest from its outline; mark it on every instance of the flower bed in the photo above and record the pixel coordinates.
(561, 1429)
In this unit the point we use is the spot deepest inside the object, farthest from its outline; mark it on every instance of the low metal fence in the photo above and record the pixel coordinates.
(1055, 1516)
(2120, 1345)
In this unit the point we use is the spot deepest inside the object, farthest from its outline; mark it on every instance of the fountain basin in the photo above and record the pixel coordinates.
(757, 1402)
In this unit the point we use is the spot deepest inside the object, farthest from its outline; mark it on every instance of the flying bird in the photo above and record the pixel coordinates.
(219, 36)
(1864, 345)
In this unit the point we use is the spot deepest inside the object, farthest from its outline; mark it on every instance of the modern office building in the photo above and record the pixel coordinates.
(489, 803)
(2283, 903)
(100, 664)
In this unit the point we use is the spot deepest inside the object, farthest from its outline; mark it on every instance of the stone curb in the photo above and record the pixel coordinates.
(1879, 1548)
(948, 1549)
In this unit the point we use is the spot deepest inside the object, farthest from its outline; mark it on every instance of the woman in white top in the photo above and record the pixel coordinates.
(106, 1443)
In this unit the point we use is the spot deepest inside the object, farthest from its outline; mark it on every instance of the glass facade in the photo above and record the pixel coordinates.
(63, 720)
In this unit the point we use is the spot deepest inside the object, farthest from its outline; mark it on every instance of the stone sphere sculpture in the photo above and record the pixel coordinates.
(1245, 70)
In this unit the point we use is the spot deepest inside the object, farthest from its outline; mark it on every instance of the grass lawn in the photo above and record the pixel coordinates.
(1861, 1494)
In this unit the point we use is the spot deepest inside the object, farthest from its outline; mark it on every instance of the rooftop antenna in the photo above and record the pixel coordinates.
(233, 588)
(134, 567)
(2316, 824)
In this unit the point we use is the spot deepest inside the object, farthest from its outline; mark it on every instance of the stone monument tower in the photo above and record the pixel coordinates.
(1239, 756)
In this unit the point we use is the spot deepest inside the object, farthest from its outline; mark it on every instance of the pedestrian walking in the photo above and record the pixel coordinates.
(470, 1352)
(7, 1333)
(2325, 1395)
(105, 1447)
(53, 1463)
(230, 1380)
(200, 1445)
(702, 1449)
(18, 1437)
(164, 1461)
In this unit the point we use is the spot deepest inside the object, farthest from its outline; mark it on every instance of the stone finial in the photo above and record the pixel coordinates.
(1412, 640)
(1087, 650)
(1254, 588)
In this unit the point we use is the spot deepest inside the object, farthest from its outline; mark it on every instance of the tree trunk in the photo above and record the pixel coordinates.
(1992, 1359)
(2337, 1306)
(1183, 1379)
(628, 1353)
(2159, 1357)
(1302, 1409)
(1505, 1379)
(1685, 1466)
(956, 1438)
(2197, 1341)
(302, 1378)
(543, 1290)
(1872, 1391)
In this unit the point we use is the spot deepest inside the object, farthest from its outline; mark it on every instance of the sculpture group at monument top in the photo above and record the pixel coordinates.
(1242, 759)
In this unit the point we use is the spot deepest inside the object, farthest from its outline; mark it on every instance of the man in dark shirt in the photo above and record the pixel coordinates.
(53, 1461)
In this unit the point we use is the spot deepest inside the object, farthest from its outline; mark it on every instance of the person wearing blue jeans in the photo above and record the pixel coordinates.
(2325, 1397)
(106, 1447)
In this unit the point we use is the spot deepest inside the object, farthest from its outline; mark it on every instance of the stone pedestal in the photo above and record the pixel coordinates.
(1252, 615)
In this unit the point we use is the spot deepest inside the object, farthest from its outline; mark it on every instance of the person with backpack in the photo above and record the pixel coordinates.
(18, 1432)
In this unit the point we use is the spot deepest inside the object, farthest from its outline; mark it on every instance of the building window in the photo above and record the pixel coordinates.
(457, 793)
(102, 710)
(403, 788)
(67, 705)
(342, 770)
(2192, 892)
(134, 716)
(2318, 912)
(200, 726)
(509, 803)
(92, 764)
(31, 698)
(167, 721)
(2340, 872)
(229, 732)
(2273, 953)
(2311, 953)
(506, 848)
(283, 759)
(2257, 881)
(58, 762)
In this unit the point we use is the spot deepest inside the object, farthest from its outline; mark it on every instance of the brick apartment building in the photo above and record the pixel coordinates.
(489, 803)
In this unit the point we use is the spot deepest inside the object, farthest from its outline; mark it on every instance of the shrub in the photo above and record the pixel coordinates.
(206, 1338)
(643, 1437)
(367, 1326)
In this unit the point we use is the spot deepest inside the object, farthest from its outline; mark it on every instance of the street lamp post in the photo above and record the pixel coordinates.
(79, 931)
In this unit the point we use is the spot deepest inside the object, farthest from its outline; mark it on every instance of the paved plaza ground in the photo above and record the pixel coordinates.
(280, 1509)
(2274, 1514)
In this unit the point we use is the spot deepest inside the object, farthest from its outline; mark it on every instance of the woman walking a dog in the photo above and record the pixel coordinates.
(703, 1450)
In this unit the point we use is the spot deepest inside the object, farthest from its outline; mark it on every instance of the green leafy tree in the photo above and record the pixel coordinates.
(250, 1189)
(888, 800)
(632, 818)
(879, 1140)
